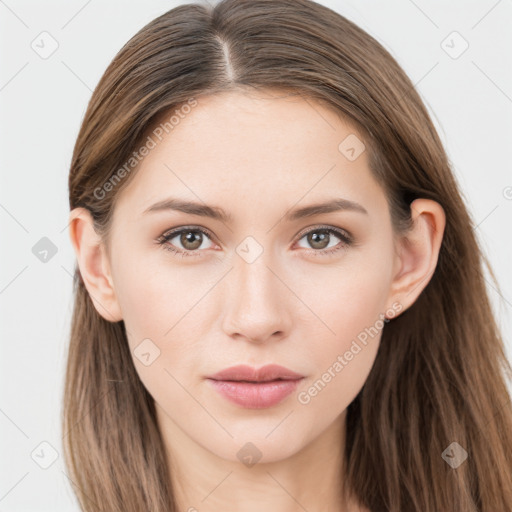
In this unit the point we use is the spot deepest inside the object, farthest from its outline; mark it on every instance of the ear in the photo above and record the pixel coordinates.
(93, 264)
(417, 252)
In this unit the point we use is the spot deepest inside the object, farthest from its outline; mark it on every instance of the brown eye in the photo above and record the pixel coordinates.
(188, 241)
(318, 239)
(191, 240)
(322, 241)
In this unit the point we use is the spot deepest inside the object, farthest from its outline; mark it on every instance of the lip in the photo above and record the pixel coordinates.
(255, 388)
(248, 373)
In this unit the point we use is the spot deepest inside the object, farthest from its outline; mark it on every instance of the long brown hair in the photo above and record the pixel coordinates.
(441, 373)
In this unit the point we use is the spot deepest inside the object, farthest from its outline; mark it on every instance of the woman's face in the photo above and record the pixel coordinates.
(271, 282)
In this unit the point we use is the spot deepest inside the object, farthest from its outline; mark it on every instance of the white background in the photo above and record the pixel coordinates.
(42, 102)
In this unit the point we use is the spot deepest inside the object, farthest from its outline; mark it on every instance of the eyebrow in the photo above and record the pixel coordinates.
(217, 213)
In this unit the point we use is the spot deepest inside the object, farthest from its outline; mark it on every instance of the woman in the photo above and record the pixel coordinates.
(279, 297)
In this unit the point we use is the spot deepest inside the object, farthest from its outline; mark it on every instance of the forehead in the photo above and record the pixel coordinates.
(248, 146)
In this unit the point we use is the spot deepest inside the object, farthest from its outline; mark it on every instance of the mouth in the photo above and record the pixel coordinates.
(255, 389)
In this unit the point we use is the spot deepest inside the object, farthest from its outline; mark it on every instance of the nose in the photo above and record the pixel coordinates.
(257, 302)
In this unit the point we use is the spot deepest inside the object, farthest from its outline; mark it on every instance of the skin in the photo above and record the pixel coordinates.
(257, 155)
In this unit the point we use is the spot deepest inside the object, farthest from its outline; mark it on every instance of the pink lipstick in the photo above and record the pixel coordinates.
(255, 388)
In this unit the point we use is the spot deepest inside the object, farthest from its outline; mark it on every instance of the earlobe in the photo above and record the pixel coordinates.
(93, 264)
(418, 252)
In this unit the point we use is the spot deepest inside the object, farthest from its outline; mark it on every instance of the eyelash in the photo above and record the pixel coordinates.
(346, 240)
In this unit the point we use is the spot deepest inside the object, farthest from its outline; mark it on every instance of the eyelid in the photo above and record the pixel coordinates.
(171, 233)
(348, 236)
(300, 234)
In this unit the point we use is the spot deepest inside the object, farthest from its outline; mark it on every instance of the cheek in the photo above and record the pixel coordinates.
(155, 294)
(348, 300)
(157, 303)
(139, 293)
(342, 362)
(352, 309)
(356, 293)
(165, 309)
